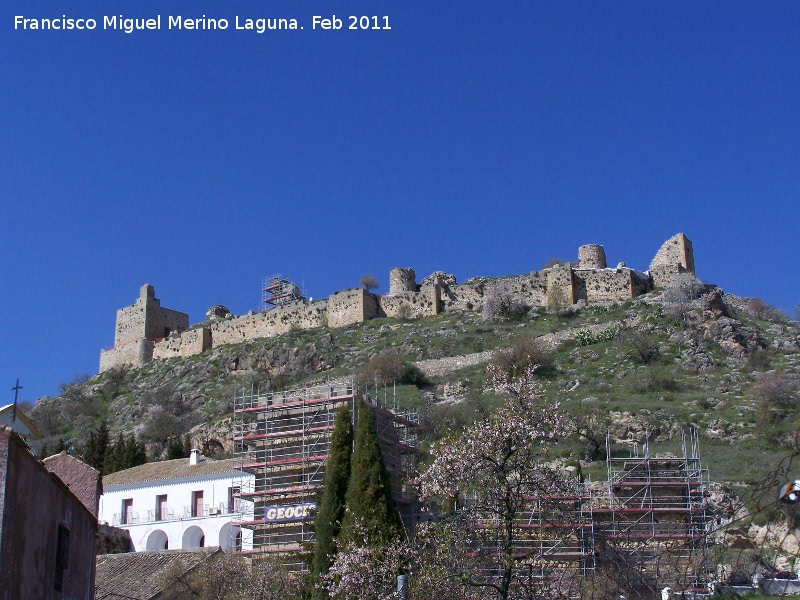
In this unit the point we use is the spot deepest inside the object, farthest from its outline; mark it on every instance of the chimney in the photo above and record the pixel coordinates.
(194, 457)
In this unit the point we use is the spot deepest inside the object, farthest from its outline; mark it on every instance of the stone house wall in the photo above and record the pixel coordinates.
(36, 509)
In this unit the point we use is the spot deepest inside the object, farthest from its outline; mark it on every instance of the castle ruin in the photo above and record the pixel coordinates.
(145, 331)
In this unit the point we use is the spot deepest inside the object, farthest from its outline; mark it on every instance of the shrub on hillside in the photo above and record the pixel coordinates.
(680, 295)
(389, 367)
(643, 346)
(587, 337)
(760, 309)
(522, 354)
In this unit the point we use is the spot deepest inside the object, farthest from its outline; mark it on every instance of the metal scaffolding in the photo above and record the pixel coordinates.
(277, 291)
(644, 531)
(652, 532)
(283, 439)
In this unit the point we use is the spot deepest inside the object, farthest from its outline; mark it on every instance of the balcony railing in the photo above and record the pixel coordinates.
(131, 518)
(168, 514)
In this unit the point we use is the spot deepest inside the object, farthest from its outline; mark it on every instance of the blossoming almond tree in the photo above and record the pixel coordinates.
(484, 482)
(363, 570)
(489, 478)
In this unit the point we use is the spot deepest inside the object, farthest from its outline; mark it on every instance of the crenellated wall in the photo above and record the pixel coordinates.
(141, 326)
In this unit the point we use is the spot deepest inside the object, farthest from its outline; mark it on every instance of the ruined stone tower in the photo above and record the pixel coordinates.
(402, 280)
(591, 256)
(675, 256)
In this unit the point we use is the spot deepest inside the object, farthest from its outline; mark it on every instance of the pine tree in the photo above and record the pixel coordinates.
(331, 506)
(96, 447)
(369, 492)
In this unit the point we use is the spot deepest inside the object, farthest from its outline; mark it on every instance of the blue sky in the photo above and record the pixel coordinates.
(478, 138)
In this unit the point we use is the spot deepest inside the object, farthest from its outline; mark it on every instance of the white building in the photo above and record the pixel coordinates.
(17, 420)
(183, 503)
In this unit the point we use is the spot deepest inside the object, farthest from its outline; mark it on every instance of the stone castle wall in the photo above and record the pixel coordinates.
(411, 305)
(298, 315)
(608, 284)
(351, 306)
(560, 287)
(188, 343)
(134, 354)
(141, 326)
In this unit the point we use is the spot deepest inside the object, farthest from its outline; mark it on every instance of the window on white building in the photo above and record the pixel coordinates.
(127, 511)
(233, 499)
(161, 507)
(197, 504)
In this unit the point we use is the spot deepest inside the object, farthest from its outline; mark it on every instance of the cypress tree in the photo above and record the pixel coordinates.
(369, 492)
(331, 505)
(175, 449)
(135, 453)
(96, 447)
(124, 454)
(60, 446)
(115, 457)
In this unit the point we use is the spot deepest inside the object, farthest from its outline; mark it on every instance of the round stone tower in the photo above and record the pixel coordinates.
(402, 280)
(591, 256)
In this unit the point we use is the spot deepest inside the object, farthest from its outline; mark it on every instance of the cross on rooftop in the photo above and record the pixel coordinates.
(16, 390)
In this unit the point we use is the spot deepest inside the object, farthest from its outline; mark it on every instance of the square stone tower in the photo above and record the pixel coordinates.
(145, 319)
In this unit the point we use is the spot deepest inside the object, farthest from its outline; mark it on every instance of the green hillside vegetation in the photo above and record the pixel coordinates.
(726, 365)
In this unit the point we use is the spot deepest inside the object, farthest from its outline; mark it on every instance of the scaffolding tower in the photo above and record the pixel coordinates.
(277, 291)
(560, 539)
(283, 439)
(553, 545)
(651, 530)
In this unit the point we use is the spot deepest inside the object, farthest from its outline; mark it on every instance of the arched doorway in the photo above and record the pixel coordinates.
(193, 537)
(157, 540)
(230, 537)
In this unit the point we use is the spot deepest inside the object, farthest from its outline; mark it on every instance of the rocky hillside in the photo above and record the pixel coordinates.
(643, 369)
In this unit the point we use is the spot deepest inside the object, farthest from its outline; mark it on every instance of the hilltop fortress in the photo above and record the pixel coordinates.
(146, 331)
